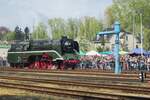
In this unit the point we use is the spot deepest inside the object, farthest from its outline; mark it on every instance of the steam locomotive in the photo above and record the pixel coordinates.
(44, 53)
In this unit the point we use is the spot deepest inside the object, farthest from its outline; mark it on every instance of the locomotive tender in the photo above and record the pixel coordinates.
(30, 53)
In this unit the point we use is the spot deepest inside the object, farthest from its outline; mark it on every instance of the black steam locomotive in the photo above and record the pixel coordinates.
(44, 53)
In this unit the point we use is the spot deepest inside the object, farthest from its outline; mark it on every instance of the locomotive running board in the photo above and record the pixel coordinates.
(44, 51)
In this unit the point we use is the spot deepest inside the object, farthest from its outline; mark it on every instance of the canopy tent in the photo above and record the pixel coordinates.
(106, 53)
(111, 53)
(147, 54)
(137, 51)
(93, 53)
(82, 53)
(123, 52)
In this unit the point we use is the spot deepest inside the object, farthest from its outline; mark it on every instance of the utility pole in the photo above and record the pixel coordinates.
(141, 34)
(133, 31)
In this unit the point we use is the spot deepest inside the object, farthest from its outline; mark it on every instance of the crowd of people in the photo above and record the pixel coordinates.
(107, 62)
(3, 61)
(135, 63)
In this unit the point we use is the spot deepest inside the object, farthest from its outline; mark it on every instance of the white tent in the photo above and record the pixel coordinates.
(92, 53)
(3, 52)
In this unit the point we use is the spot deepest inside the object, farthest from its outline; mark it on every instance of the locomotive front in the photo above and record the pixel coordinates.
(70, 49)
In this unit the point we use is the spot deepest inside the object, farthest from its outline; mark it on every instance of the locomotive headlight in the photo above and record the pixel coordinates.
(67, 43)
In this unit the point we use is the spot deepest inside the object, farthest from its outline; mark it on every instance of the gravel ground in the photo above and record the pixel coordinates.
(16, 94)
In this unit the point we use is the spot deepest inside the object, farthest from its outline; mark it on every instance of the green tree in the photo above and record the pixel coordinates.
(57, 26)
(103, 41)
(99, 49)
(83, 30)
(40, 32)
(89, 26)
(84, 44)
(86, 27)
(147, 39)
(72, 28)
(127, 11)
(10, 36)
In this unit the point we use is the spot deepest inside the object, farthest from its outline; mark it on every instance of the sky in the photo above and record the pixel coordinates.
(29, 12)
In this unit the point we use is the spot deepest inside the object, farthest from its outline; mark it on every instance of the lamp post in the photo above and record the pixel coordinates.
(133, 29)
(133, 16)
(140, 12)
(141, 34)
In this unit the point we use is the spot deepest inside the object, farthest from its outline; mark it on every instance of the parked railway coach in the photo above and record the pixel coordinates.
(44, 53)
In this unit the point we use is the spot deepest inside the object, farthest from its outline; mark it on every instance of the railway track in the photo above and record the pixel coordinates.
(86, 84)
(78, 77)
(69, 71)
(82, 93)
(83, 76)
(78, 72)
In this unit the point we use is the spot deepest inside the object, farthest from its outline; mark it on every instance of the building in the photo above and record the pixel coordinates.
(3, 54)
(127, 41)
